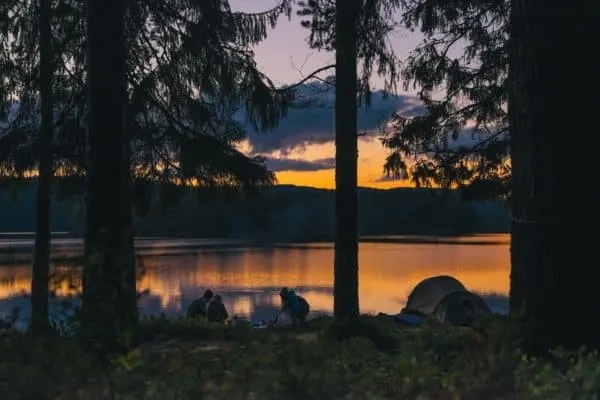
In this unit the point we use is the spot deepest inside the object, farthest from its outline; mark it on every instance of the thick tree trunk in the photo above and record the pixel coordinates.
(41, 257)
(109, 310)
(345, 303)
(552, 73)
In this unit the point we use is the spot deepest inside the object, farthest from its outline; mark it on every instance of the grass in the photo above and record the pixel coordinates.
(375, 359)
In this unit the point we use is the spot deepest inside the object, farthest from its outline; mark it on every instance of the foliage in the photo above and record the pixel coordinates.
(376, 24)
(195, 359)
(193, 86)
(460, 70)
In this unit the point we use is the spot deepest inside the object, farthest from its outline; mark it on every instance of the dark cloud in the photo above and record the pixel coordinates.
(292, 164)
(390, 178)
(315, 124)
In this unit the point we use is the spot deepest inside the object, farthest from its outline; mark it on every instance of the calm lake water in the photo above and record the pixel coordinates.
(176, 271)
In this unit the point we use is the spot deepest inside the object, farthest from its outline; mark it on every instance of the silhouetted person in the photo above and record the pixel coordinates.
(199, 307)
(217, 311)
(296, 306)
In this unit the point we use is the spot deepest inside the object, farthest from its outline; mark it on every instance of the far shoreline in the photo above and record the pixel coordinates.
(70, 248)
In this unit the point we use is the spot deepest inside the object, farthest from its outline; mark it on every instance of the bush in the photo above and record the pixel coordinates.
(371, 359)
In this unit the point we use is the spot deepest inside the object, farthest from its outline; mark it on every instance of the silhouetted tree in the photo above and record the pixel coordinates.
(26, 139)
(109, 307)
(20, 62)
(460, 134)
(41, 260)
(357, 31)
(192, 82)
(345, 299)
(552, 256)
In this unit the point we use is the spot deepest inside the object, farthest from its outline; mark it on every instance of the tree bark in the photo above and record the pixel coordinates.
(109, 309)
(551, 117)
(41, 257)
(346, 303)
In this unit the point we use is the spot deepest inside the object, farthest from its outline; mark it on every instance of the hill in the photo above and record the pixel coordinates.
(283, 213)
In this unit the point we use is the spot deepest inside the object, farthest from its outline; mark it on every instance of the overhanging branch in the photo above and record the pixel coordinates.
(300, 82)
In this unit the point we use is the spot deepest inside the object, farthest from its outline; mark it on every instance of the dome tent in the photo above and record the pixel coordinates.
(429, 292)
(444, 298)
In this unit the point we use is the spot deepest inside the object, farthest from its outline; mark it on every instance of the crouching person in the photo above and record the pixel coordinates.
(295, 306)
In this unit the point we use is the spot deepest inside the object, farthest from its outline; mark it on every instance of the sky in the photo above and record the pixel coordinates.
(301, 150)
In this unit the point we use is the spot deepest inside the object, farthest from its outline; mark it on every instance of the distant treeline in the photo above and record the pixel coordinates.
(283, 213)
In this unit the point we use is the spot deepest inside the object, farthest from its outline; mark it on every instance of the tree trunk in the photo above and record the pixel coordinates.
(109, 310)
(345, 287)
(552, 256)
(41, 257)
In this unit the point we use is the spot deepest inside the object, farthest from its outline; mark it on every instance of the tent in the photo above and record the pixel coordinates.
(444, 298)
(429, 292)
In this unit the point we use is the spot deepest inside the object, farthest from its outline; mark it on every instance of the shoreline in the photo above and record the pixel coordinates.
(9, 242)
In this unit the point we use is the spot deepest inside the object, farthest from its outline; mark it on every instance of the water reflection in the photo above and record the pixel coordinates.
(249, 277)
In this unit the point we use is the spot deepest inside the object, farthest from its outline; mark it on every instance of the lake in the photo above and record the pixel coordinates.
(249, 276)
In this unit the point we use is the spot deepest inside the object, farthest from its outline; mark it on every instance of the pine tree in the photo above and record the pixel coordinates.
(177, 134)
(109, 315)
(41, 260)
(357, 31)
(460, 137)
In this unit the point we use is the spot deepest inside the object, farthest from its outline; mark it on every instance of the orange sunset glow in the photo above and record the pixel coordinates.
(371, 158)
(249, 278)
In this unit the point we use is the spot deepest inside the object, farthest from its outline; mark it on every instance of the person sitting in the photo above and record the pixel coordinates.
(296, 306)
(217, 311)
(199, 307)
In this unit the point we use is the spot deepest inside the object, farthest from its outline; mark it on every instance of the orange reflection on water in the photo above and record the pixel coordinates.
(249, 279)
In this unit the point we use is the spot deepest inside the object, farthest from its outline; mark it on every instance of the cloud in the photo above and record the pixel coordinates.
(315, 125)
(292, 164)
(390, 178)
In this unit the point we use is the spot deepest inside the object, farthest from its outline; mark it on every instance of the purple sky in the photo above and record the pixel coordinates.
(285, 51)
